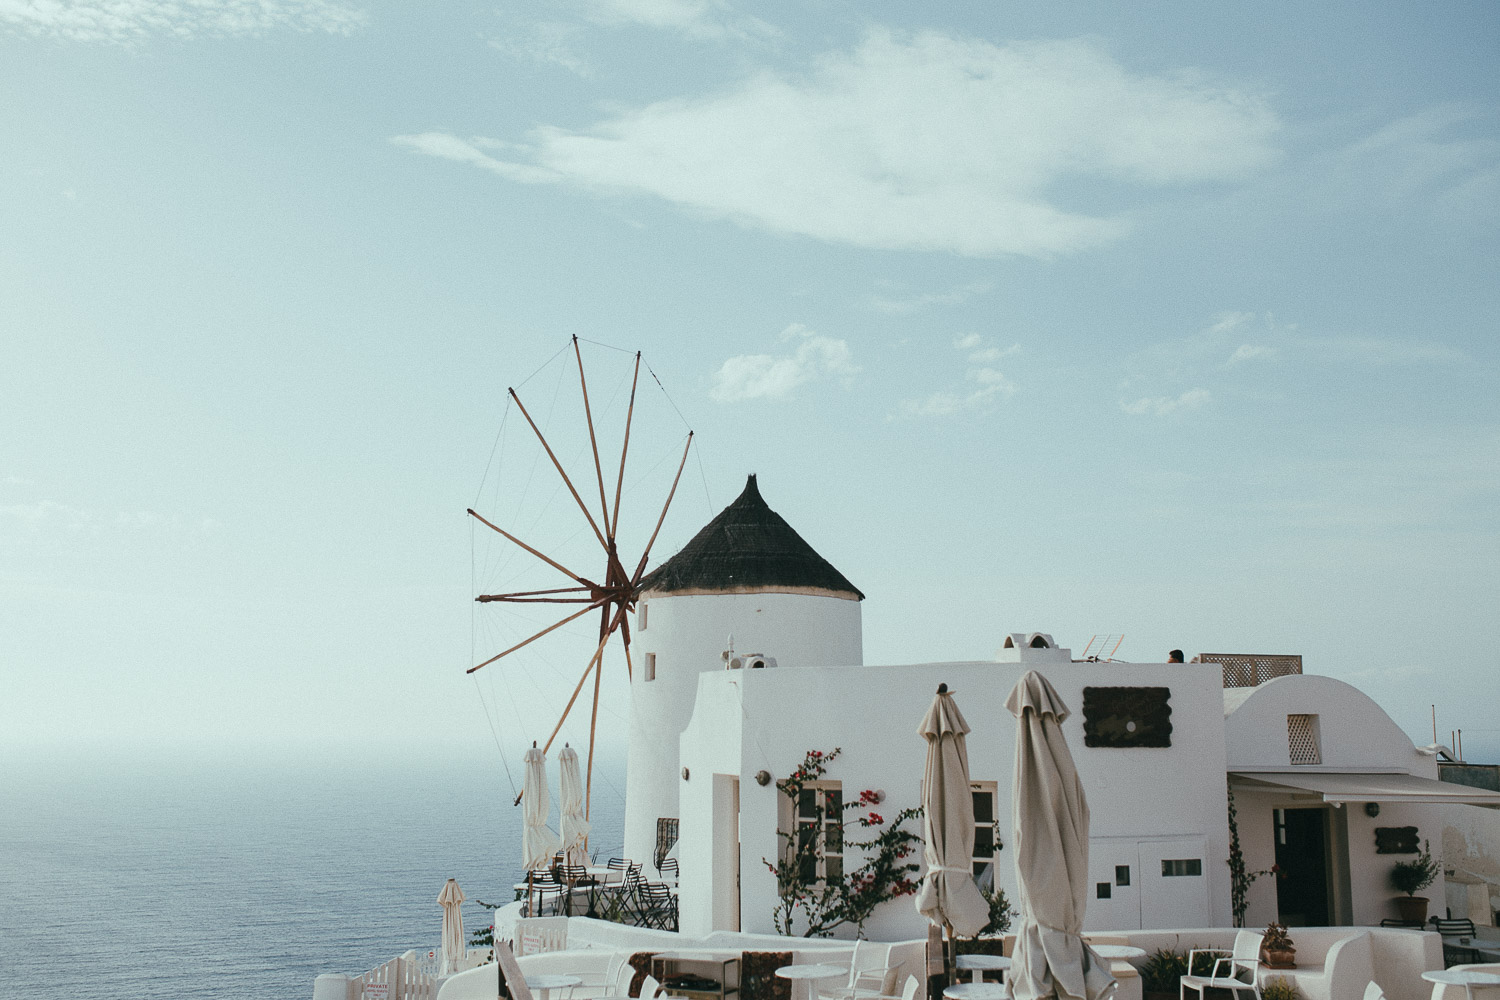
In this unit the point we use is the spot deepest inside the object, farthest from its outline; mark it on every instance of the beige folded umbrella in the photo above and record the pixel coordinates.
(575, 829)
(451, 900)
(538, 843)
(948, 896)
(1050, 831)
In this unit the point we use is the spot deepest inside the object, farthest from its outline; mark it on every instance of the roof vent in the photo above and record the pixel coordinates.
(750, 661)
(1030, 646)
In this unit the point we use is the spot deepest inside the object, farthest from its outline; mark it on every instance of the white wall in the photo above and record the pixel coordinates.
(687, 634)
(873, 713)
(1471, 843)
(1355, 735)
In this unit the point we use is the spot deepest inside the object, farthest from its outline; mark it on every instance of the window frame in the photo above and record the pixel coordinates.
(828, 819)
(979, 862)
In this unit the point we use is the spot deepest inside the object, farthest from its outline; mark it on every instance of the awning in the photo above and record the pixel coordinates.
(1338, 787)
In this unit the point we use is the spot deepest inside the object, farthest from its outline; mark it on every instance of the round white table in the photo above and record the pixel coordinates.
(980, 964)
(542, 985)
(809, 974)
(975, 991)
(1466, 978)
(1119, 952)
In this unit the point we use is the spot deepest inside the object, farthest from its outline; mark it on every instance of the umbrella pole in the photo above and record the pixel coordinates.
(949, 954)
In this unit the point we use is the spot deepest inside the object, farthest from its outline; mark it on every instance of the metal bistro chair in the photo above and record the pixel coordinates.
(578, 880)
(658, 906)
(668, 870)
(1457, 936)
(539, 885)
(1236, 972)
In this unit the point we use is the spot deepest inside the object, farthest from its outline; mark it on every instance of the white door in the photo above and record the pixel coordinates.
(1174, 882)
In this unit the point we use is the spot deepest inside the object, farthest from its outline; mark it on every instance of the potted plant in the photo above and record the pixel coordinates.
(1280, 988)
(1276, 948)
(1412, 877)
(1161, 975)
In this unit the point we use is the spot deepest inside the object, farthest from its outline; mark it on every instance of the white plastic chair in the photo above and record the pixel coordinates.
(605, 985)
(624, 976)
(1230, 971)
(866, 980)
(1374, 992)
(650, 988)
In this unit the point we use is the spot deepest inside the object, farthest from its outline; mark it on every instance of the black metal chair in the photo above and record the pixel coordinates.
(539, 885)
(1457, 935)
(658, 906)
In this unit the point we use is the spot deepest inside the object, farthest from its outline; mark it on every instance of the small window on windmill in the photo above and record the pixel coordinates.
(642, 616)
(650, 666)
(1302, 739)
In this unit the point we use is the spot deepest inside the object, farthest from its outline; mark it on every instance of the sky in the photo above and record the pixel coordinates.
(1169, 320)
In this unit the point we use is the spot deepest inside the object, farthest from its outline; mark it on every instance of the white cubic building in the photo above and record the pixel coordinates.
(1327, 787)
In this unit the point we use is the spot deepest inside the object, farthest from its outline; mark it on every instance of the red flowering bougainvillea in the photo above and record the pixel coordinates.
(819, 905)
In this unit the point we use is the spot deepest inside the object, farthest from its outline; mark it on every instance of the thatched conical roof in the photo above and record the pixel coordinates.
(749, 549)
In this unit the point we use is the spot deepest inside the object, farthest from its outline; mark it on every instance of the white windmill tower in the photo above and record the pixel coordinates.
(749, 575)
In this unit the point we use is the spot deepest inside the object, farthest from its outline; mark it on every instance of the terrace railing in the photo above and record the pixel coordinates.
(1252, 669)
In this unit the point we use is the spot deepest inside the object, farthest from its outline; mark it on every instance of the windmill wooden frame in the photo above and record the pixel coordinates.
(615, 597)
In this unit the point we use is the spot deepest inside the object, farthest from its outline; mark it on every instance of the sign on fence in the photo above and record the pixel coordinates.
(376, 991)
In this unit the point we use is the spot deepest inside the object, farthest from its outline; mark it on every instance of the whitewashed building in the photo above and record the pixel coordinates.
(753, 657)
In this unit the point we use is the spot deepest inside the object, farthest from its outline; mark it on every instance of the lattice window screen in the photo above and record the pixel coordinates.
(666, 838)
(1302, 739)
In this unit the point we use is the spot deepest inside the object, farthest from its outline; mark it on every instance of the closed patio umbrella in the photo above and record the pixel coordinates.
(538, 843)
(948, 897)
(451, 899)
(575, 829)
(1050, 830)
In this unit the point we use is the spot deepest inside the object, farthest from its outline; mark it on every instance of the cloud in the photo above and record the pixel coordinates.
(924, 143)
(1161, 406)
(127, 21)
(1417, 162)
(19, 481)
(917, 303)
(766, 376)
(693, 18)
(1251, 352)
(546, 44)
(990, 383)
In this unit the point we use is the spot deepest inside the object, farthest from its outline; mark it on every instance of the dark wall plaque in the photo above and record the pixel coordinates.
(1396, 840)
(1127, 717)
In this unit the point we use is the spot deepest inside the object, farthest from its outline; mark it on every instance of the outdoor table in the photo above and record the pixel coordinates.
(1467, 942)
(1119, 952)
(976, 991)
(1465, 978)
(980, 964)
(542, 985)
(809, 974)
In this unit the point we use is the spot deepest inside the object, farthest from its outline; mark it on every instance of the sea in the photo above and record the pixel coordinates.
(189, 879)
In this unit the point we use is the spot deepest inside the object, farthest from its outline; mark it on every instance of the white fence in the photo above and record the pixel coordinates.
(403, 978)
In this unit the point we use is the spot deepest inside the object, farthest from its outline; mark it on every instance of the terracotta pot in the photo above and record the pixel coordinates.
(1413, 909)
(1279, 958)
